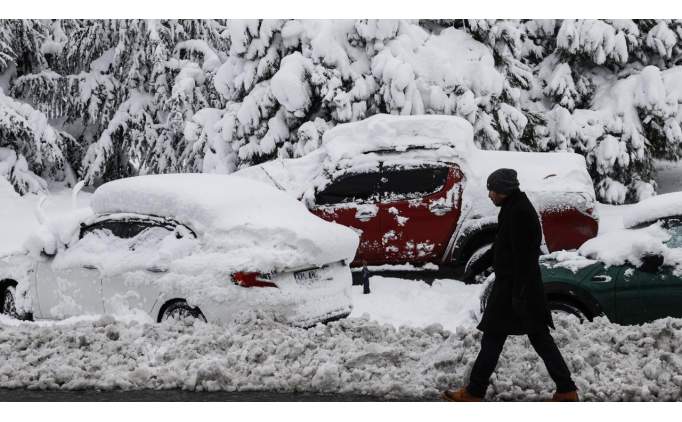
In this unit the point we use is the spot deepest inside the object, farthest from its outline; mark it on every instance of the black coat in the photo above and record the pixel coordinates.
(517, 302)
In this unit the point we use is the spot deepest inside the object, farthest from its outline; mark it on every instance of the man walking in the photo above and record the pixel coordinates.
(517, 303)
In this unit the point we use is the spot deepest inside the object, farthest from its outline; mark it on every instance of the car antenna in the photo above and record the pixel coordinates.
(280, 187)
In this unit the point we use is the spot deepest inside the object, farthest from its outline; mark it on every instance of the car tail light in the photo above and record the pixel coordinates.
(246, 279)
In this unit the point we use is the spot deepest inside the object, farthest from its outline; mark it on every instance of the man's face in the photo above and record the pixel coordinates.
(496, 197)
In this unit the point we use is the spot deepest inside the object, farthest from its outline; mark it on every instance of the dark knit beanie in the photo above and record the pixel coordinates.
(503, 181)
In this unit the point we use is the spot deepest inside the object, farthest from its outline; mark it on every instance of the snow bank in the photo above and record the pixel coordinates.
(608, 362)
(402, 302)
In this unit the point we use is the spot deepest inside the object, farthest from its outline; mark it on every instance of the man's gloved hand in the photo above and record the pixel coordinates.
(468, 277)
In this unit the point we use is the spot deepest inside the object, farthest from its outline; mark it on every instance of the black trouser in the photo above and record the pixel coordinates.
(543, 343)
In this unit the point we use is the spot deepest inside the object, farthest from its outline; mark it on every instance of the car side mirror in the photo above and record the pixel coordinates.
(651, 263)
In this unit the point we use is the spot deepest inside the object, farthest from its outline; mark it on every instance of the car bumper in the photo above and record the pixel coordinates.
(291, 304)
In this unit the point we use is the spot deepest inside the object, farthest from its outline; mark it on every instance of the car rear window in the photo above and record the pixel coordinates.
(350, 188)
(399, 184)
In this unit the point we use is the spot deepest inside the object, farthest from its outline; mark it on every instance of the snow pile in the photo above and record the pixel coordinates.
(652, 209)
(412, 303)
(608, 362)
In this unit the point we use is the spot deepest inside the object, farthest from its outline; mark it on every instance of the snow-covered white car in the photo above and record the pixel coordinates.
(205, 246)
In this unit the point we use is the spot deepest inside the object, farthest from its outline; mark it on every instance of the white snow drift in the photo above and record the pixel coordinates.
(608, 362)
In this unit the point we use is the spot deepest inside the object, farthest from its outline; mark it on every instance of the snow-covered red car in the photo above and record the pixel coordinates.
(205, 246)
(414, 188)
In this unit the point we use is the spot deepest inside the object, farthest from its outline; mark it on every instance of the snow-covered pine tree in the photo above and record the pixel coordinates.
(150, 96)
(30, 149)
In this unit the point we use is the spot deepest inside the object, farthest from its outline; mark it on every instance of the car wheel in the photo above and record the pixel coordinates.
(7, 302)
(473, 259)
(179, 310)
(564, 308)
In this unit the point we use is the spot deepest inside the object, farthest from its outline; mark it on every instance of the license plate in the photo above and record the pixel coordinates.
(305, 277)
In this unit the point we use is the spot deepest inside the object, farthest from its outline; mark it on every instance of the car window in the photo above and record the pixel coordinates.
(117, 246)
(150, 237)
(118, 228)
(673, 226)
(350, 188)
(397, 184)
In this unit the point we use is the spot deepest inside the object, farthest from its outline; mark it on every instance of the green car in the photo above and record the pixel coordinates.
(625, 294)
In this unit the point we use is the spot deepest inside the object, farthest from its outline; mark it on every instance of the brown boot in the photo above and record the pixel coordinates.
(460, 395)
(568, 396)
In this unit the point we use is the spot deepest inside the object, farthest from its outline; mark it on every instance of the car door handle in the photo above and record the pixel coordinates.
(157, 269)
(601, 278)
(90, 267)
(364, 214)
(440, 207)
